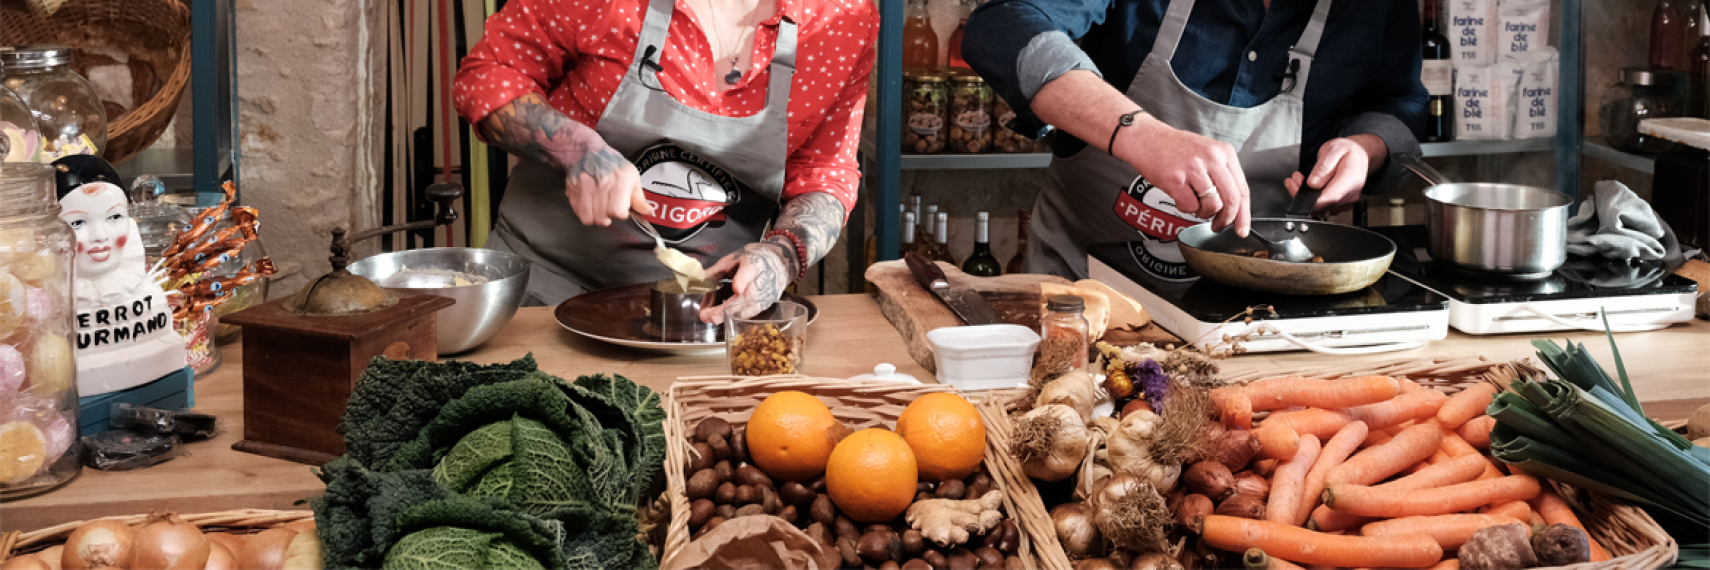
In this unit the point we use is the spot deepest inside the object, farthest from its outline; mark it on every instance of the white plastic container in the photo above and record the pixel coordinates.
(984, 357)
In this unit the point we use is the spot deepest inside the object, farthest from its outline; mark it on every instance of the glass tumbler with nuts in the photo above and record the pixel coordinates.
(772, 342)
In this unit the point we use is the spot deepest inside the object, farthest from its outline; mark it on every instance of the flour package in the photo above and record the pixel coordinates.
(1482, 110)
(1534, 99)
(1523, 28)
(1472, 32)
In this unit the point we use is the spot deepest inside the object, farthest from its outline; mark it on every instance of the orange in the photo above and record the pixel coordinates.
(946, 433)
(790, 436)
(872, 475)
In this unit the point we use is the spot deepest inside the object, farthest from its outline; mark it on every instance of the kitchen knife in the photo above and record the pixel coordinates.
(969, 305)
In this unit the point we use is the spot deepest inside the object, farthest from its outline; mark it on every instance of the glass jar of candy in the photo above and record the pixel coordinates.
(19, 137)
(38, 376)
(69, 114)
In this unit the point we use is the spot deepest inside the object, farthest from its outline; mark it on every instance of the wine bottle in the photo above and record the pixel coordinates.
(982, 263)
(964, 8)
(940, 240)
(1438, 77)
(907, 244)
(927, 223)
(1018, 264)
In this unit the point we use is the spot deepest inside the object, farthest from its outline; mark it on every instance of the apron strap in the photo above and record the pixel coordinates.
(650, 43)
(1170, 31)
(1301, 55)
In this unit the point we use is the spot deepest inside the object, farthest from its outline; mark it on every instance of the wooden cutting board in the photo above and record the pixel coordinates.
(914, 311)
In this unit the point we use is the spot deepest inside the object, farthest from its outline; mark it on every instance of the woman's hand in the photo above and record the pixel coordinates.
(1342, 169)
(1203, 175)
(761, 272)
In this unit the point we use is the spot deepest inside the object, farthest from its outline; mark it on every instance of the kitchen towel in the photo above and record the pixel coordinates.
(1614, 223)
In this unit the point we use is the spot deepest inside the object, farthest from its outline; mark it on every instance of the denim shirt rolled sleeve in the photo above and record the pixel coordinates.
(1019, 46)
(1364, 78)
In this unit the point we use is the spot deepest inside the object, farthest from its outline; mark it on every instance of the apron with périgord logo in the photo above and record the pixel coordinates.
(1097, 198)
(714, 182)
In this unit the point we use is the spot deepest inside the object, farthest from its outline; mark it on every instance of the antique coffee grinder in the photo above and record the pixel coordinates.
(302, 354)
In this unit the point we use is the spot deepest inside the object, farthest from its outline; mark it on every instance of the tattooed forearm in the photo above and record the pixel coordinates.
(529, 127)
(816, 218)
(774, 263)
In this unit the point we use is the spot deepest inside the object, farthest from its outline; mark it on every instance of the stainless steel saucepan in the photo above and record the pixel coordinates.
(1509, 229)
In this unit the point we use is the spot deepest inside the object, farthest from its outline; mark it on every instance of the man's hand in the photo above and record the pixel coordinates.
(1201, 174)
(599, 183)
(1343, 165)
(761, 272)
(603, 186)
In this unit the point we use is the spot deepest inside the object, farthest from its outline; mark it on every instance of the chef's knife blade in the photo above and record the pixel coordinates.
(968, 305)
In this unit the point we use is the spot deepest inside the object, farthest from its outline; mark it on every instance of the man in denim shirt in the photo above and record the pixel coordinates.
(1174, 113)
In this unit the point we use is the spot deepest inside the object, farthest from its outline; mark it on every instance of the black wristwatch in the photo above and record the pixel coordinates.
(1127, 119)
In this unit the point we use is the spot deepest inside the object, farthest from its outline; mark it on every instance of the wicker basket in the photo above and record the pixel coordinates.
(1629, 534)
(156, 32)
(246, 521)
(859, 405)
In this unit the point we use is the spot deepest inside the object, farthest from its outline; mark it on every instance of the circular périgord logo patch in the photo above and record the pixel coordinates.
(688, 192)
(1154, 214)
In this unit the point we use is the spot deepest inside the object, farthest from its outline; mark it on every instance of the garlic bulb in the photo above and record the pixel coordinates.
(1131, 451)
(1073, 389)
(1050, 441)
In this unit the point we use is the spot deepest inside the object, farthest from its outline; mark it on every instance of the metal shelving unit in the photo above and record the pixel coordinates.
(1601, 151)
(884, 162)
(213, 156)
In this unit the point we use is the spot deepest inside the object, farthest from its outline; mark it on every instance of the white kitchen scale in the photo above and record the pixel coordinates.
(1635, 297)
(1392, 314)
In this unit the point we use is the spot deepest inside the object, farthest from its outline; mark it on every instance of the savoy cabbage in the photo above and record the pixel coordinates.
(454, 464)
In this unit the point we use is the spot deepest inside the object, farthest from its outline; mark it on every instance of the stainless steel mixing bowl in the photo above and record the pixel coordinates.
(482, 308)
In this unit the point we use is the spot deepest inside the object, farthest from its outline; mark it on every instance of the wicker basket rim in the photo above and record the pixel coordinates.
(14, 543)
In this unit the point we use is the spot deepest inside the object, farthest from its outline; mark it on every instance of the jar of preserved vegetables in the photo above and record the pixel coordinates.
(67, 110)
(924, 113)
(1004, 139)
(970, 114)
(38, 375)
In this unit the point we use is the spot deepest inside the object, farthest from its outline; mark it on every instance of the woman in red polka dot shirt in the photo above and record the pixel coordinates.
(713, 120)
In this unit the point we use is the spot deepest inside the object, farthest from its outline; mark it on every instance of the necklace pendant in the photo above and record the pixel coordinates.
(733, 77)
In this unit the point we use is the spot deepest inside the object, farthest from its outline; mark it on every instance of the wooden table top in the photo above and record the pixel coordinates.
(1670, 370)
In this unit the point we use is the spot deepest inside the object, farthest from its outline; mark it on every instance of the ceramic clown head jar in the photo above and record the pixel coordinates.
(125, 336)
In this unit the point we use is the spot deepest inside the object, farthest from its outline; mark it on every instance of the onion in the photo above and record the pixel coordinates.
(220, 557)
(1076, 529)
(105, 542)
(266, 551)
(1095, 564)
(233, 543)
(1051, 442)
(304, 553)
(302, 526)
(24, 562)
(1155, 561)
(169, 543)
(52, 556)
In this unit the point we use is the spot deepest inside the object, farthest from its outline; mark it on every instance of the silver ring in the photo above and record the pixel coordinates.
(1209, 190)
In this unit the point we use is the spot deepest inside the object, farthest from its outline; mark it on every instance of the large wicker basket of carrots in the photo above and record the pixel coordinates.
(858, 406)
(1424, 475)
(234, 528)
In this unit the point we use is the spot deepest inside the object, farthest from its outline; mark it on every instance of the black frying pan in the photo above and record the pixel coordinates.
(1354, 258)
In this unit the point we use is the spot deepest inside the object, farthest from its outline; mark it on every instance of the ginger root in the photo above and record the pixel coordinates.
(948, 522)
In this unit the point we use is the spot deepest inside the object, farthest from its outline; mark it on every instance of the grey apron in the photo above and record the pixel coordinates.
(742, 158)
(1097, 198)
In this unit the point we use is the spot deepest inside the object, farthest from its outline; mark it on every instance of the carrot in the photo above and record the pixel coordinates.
(1453, 445)
(1517, 510)
(1554, 510)
(1238, 412)
(1256, 559)
(1376, 437)
(1289, 481)
(1446, 564)
(1408, 405)
(1466, 404)
(1283, 392)
(1450, 531)
(1333, 454)
(1378, 463)
(1437, 457)
(1277, 441)
(1457, 470)
(1267, 467)
(1318, 422)
(1303, 546)
(1389, 502)
(1476, 431)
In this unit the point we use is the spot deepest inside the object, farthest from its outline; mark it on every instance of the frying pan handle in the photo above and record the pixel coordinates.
(1315, 347)
(1528, 307)
(1418, 166)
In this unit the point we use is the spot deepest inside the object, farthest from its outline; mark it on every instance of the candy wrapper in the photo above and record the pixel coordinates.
(184, 423)
(187, 269)
(124, 450)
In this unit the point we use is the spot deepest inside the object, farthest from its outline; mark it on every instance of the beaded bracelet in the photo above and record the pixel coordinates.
(801, 251)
